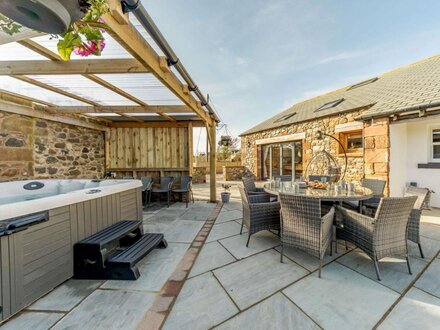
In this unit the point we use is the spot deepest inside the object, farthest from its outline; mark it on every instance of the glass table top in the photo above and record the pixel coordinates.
(358, 194)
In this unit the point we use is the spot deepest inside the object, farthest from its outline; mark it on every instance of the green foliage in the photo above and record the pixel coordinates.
(84, 37)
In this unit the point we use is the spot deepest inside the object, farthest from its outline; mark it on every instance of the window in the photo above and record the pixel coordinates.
(329, 105)
(353, 142)
(363, 83)
(285, 117)
(435, 142)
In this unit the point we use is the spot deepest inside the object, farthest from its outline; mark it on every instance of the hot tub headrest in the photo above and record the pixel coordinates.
(34, 185)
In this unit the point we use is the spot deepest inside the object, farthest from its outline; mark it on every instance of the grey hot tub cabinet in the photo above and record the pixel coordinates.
(38, 259)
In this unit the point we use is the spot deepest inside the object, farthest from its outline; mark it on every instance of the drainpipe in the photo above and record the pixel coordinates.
(147, 22)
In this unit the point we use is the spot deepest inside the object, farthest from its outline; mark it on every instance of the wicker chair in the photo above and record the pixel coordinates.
(250, 188)
(185, 188)
(259, 213)
(381, 236)
(377, 187)
(303, 227)
(166, 184)
(147, 183)
(416, 214)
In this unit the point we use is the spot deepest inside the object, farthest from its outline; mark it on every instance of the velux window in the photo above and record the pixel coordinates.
(285, 117)
(363, 83)
(329, 105)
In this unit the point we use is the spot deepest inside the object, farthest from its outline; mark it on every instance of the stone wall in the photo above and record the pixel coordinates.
(251, 153)
(199, 174)
(377, 150)
(235, 173)
(36, 148)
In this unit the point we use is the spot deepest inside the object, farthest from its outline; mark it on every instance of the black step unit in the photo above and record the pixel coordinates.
(122, 265)
(89, 254)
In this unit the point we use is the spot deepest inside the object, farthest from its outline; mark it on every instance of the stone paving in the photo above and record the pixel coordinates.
(234, 287)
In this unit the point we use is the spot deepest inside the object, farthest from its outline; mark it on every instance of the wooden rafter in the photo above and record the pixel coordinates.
(101, 66)
(36, 47)
(163, 124)
(130, 38)
(153, 109)
(55, 89)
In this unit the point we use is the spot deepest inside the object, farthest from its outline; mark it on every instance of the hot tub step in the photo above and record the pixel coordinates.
(122, 266)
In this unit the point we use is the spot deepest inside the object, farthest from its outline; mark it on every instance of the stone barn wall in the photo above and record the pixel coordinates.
(37, 148)
(251, 155)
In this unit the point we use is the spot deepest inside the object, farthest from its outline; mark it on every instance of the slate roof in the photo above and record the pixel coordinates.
(411, 85)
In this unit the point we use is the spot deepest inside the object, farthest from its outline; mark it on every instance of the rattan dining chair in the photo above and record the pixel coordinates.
(147, 184)
(303, 227)
(416, 214)
(185, 188)
(250, 187)
(283, 178)
(382, 236)
(377, 187)
(259, 213)
(166, 184)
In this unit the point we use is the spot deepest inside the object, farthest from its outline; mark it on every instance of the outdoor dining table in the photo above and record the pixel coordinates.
(359, 194)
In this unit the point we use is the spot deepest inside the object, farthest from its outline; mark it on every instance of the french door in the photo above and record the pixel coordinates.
(282, 159)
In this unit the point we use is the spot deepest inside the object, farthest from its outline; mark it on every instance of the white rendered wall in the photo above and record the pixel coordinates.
(410, 146)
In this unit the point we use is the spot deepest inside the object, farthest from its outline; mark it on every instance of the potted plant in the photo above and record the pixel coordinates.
(226, 194)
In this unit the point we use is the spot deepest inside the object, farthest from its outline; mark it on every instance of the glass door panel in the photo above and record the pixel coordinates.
(276, 164)
(287, 159)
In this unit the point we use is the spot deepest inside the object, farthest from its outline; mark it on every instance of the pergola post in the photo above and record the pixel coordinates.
(212, 162)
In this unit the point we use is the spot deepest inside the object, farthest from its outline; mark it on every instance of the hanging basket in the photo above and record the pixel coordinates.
(322, 163)
(225, 141)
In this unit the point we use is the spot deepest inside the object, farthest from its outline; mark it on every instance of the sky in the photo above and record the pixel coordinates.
(256, 58)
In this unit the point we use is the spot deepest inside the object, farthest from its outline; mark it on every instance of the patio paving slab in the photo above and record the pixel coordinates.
(212, 256)
(66, 296)
(233, 205)
(430, 248)
(32, 320)
(196, 215)
(417, 310)
(430, 279)
(342, 298)
(308, 261)
(108, 309)
(255, 278)
(430, 230)
(259, 242)
(225, 215)
(157, 225)
(393, 271)
(275, 313)
(223, 230)
(155, 269)
(201, 304)
(183, 231)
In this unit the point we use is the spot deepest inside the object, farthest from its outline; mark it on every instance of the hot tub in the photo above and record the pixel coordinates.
(35, 257)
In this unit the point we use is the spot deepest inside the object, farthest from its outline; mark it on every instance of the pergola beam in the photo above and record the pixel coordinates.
(158, 124)
(153, 109)
(36, 47)
(131, 39)
(101, 66)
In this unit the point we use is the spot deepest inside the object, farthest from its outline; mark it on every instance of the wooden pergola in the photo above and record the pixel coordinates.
(131, 110)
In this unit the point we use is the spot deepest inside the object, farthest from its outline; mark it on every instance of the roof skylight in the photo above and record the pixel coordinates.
(363, 83)
(329, 105)
(285, 117)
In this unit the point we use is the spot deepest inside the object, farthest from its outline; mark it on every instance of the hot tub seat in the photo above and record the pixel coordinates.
(113, 253)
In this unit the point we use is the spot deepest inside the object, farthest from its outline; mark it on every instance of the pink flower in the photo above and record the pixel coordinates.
(91, 47)
(82, 51)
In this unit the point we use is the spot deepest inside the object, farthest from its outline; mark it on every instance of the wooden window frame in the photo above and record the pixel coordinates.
(356, 152)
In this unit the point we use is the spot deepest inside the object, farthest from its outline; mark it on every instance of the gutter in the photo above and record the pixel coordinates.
(147, 22)
(414, 108)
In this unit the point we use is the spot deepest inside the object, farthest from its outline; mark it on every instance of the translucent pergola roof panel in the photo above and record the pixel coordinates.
(17, 52)
(112, 48)
(84, 87)
(144, 86)
(29, 90)
(145, 34)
